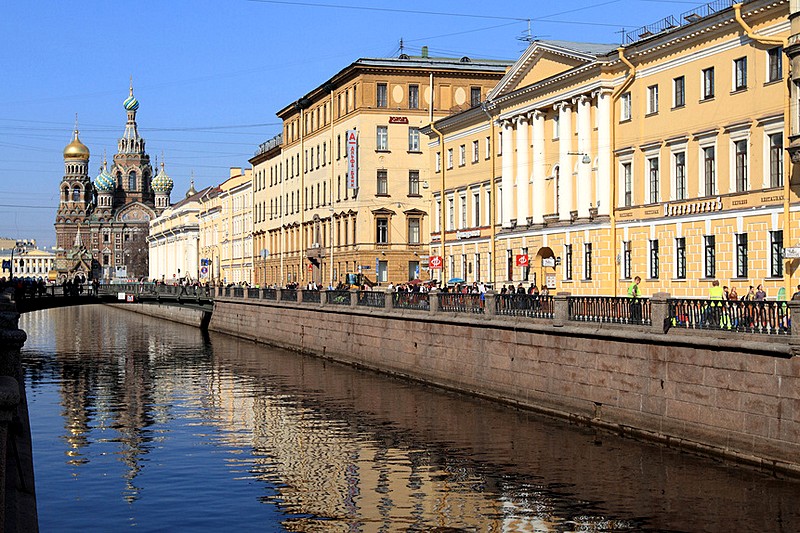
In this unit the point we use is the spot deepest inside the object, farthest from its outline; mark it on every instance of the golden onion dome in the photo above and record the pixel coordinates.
(76, 149)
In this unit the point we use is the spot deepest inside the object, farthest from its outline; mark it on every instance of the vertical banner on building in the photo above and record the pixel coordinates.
(352, 159)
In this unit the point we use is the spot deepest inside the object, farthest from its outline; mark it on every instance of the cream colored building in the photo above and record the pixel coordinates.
(174, 241)
(663, 158)
(28, 263)
(313, 220)
(226, 229)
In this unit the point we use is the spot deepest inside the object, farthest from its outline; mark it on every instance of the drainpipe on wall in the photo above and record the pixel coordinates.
(613, 205)
(777, 41)
(442, 231)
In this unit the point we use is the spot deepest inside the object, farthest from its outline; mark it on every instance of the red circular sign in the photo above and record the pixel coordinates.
(435, 262)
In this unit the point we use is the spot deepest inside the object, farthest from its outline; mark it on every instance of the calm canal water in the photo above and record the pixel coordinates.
(147, 425)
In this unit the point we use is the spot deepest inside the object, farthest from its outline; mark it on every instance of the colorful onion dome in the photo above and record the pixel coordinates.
(104, 182)
(162, 184)
(76, 149)
(131, 103)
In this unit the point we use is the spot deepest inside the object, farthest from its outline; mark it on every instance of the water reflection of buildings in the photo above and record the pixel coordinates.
(341, 450)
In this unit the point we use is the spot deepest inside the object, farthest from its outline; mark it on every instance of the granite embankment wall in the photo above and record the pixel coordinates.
(738, 398)
(182, 315)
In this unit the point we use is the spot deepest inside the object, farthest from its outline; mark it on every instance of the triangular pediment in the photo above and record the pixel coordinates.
(546, 59)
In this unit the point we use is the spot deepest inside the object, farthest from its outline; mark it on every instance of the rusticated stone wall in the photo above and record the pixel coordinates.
(735, 397)
(182, 315)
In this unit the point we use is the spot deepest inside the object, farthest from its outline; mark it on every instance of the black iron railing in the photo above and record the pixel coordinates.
(269, 294)
(462, 303)
(339, 297)
(311, 297)
(529, 305)
(411, 300)
(371, 299)
(761, 316)
(609, 309)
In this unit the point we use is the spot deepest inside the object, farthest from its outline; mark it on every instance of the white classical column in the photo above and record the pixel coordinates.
(584, 182)
(522, 171)
(539, 167)
(508, 173)
(564, 161)
(604, 174)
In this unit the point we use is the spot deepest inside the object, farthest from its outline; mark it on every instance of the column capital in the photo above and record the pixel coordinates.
(563, 106)
(581, 99)
(506, 123)
(536, 114)
(602, 92)
(521, 118)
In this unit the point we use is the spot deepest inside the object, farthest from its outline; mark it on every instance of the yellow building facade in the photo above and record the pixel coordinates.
(315, 220)
(591, 164)
(226, 229)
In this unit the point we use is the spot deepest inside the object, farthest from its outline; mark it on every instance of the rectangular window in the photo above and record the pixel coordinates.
(462, 155)
(709, 170)
(463, 202)
(654, 259)
(338, 146)
(654, 180)
(740, 151)
(381, 96)
(627, 175)
(413, 231)
(679, 91)
(438, 163)
(475, 151)
(625, 107)
(413, 182)
(776, 253)
(740, 74)
(451, 214)
(741, 255)
(652, 99)
(474, 96)
(449, 158)
(382, 138)
(680, 176)
(476, 209)
(382, 183)
(413, 139)
(707, 84)
(710, 254)
(775, 64)
(626, 259)
(776, 160)
(413, 96)
(587, 260)
(488, 148)
(680, 258)
(381, 230)
(567, 261)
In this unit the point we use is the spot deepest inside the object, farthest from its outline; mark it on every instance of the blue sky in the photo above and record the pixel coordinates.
(210, 76)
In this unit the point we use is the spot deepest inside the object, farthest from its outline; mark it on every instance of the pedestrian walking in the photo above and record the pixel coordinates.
(635, 306)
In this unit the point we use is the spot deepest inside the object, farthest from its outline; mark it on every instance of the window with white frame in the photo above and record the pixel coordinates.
(679, 169)
(625, 106)
(740, 165)
(776, 253)
(741, 255)
(462, 200)
(708, 160)
(438, 163)
(488, 147)
(680, 258)
(740, 74)
(413, 139)
(626, 259)
(567, 261)
(381, 96)
(627, 183)
(652, 99)
(654, 178)
(710, 256)
(451, 213)
(413, 182)
(382, 138)
(775, 158)
(438, 215)
(679, 91)
(707, 84)
(449, 158)
(413, 230)
(382, 187)
(475, 151)
(476, 209)
(654, 263)
(413, 96)
(462, 155)
(775, 64)
(587, 261)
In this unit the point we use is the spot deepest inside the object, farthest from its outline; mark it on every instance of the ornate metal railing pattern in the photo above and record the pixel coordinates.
(339, 297)
(411, 300)
(528, 305)
(371, 299)
(609, 309)
(760, 316)
(461, 303)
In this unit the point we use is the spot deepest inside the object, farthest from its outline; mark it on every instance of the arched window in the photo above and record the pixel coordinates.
(76, 194)
(119, 179)
(132, 181)
(65, 195)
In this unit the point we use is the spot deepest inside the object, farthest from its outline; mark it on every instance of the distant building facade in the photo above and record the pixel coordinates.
(110, 217)
(344, 188)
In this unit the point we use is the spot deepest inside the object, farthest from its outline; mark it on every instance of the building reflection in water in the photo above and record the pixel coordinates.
(337, 449)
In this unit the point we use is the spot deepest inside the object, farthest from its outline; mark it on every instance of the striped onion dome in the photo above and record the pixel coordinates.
(162, 184)
(104, 182)
(131, 103)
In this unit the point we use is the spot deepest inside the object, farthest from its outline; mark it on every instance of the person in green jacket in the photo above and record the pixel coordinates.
(635, 309)
(716, 294)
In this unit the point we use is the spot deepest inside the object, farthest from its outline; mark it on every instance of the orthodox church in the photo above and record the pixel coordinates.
(108, 219)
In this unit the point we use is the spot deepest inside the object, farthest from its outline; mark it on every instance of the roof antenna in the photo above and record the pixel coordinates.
(401, 46)
(621, 31)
